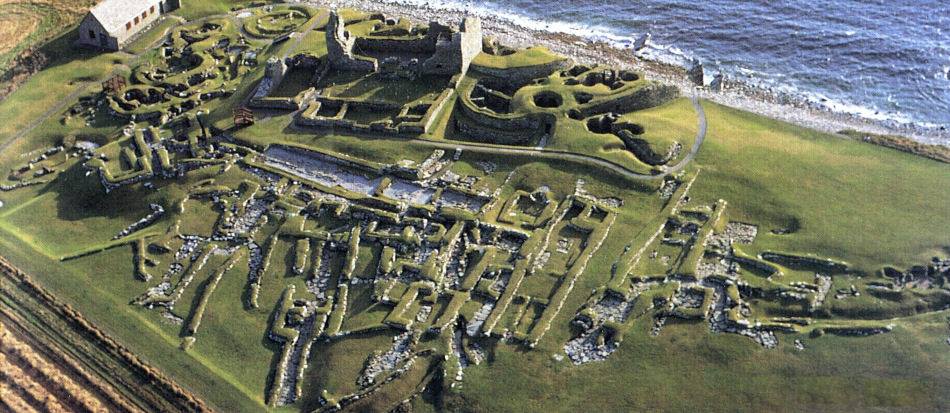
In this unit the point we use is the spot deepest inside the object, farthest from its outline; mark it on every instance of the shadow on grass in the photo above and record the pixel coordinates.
(80, 197)
(330, 356)
(63, 49)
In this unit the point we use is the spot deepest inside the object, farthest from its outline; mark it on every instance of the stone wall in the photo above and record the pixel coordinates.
(652, 95)
(92, 33)
(453, 55)
(340, 45)
(409, 126)
(517, 77)
(274, 103)
(518, 131)
(305, 61)
(421, 45)
(478, 133)
(273, 75)
(451, 51)
(513, 129)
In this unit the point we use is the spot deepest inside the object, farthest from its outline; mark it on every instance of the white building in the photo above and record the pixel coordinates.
(111, 23)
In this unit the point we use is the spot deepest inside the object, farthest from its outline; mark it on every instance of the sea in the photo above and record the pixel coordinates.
(885, 61)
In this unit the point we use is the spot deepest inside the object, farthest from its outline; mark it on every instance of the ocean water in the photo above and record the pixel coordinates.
(887, 61)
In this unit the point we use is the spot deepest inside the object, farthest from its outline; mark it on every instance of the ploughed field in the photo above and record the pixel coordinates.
(31, 382)
(290, 208)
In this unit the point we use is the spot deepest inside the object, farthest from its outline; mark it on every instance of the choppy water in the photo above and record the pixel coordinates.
(883, 60)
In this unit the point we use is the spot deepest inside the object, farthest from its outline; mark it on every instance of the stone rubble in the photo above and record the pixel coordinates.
(668, 188)
(458, 351)
(585, 349)
(722, 266)
(321, 280)
(741, 233)
(658, 324)
(157, 211)
(487, 166)
(455, 268)
(255, 261)
(423, 313)
(824, 285)
(174, 319)
(479, 318)
(717, 318)
(581, 191)
(381, 363)
(611, 308)
(250, 220)
(287, 393)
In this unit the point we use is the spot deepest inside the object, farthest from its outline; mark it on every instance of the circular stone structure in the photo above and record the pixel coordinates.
(548, 99)
(277, 22)
(628, 76)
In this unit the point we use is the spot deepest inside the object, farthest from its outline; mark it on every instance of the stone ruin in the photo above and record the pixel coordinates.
(340, 44)
(450, 50)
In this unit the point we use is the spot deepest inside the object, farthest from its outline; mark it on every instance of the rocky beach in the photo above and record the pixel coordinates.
(769, 102)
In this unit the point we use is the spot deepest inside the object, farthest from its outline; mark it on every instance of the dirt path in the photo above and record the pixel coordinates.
(698, 142)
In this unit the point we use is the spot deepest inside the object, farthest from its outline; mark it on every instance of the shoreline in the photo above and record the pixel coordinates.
(762, 101)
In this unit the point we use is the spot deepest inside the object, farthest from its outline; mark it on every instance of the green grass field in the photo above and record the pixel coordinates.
(856, 202)
(833, 197)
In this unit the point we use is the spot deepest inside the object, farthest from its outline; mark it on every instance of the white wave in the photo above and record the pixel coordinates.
(866, 112)
(592, 32)
(752, 73)
(669, 54)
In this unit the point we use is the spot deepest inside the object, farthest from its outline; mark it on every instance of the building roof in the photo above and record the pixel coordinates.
(113, 14)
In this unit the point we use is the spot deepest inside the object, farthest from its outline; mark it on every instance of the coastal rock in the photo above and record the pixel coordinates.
(697, 74)
(642, 42)
(718, 83)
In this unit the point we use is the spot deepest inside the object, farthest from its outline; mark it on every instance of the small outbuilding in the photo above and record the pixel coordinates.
(111, 23)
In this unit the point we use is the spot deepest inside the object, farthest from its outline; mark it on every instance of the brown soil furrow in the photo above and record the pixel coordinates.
(10, 400)
(29, 389)
(71, 363)
(49, 375)
(104, 392)
(150, 386)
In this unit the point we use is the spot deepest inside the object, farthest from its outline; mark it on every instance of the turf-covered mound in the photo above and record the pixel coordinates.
(278, 21)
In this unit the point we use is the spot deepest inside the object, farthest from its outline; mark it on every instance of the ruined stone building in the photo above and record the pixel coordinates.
(443, 50)
(340, 46)
(111, 23)
(455, 51)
